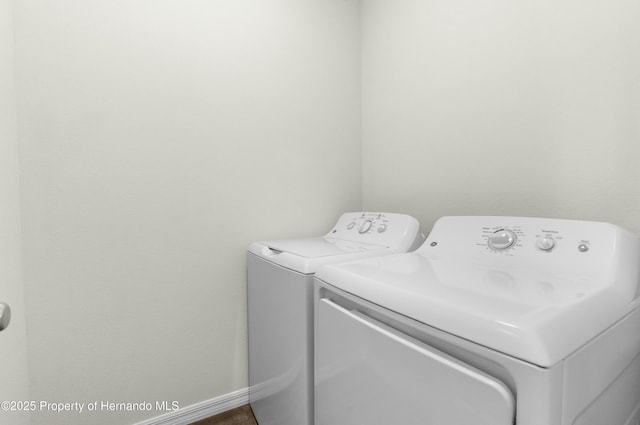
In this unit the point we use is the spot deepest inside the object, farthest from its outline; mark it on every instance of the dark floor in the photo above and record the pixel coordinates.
(239, 416)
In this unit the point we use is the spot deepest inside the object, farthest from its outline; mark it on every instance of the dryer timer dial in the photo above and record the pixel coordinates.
(502, 239)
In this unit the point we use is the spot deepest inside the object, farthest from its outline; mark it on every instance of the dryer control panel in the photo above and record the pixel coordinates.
(571, 245)
(546, 239)
(378, 228)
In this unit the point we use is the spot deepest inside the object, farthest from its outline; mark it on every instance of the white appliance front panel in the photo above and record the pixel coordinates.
(370, 374)
(280, 344)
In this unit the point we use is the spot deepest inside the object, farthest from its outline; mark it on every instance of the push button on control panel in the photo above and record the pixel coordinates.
(546, 243)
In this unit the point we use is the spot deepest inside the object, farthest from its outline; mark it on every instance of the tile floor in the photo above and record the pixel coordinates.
(239, 416)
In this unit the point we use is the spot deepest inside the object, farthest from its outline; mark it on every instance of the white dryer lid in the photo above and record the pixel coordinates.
(528, 314)
(522, 303)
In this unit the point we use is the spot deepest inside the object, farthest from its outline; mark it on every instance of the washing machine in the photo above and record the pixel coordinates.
(492, 321)
(280, 306)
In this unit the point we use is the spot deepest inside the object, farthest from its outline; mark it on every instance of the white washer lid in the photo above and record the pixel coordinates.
(319, 247)
(540, 316)
(306, 255)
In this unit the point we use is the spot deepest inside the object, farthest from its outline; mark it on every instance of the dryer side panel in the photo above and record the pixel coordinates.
(602, 379)
(369, 373)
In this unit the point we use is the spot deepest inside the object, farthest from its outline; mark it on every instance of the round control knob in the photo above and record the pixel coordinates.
(502, 239)
(365, 226)
(546, 243)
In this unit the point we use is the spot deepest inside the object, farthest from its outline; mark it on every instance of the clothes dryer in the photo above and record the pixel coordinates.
(493, 320)
(280, 303)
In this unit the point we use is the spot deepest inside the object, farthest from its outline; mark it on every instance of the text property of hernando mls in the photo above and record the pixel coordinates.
(94, 406)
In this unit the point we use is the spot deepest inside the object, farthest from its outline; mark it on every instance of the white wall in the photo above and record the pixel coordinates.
(159, 139)
(500, 107)
(14, 383)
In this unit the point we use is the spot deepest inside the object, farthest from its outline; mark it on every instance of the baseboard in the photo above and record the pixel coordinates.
(202, 410)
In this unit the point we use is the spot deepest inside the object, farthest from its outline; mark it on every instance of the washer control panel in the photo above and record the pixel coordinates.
(369, 222)
(387, 229)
